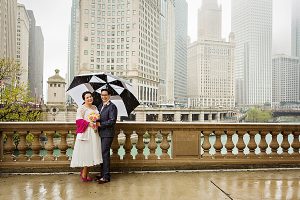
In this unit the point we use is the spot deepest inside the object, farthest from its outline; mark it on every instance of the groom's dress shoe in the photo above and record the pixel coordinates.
(103, 180)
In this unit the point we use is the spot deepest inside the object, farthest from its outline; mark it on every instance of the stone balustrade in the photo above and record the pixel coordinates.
(155, 145)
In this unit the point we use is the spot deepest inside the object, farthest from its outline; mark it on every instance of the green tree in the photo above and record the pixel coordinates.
(15, 101)
(258, 115)
(8, 69)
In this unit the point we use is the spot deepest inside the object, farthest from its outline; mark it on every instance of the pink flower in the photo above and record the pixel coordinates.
(93, 118)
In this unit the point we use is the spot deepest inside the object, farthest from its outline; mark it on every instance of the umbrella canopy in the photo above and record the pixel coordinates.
(122, 91)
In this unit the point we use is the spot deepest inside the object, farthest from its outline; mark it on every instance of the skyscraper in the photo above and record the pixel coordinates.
(252, 26)
(295, 43)
(36, 59)
(180, 80)
(286, 79)
(120, 37)
(8, 21)
(23, 42)
(73, 55)
(211, 62)
(210, 20)
(166, 52)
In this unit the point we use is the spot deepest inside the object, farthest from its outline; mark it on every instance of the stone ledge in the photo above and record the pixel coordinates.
(152, 165)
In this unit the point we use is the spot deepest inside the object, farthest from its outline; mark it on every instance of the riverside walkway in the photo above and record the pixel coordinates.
(264, 184)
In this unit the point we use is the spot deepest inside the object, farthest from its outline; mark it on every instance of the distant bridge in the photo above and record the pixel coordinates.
(278, 113)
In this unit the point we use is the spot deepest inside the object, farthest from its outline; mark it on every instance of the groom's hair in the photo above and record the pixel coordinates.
(107, 90)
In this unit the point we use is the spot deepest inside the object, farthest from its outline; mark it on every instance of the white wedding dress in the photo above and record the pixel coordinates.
(87, 148)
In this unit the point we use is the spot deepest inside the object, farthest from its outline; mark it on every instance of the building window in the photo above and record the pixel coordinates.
(54, 94)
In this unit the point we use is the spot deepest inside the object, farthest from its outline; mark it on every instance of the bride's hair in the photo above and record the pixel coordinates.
(83, 94)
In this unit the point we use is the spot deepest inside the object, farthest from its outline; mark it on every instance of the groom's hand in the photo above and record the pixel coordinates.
(98, 124)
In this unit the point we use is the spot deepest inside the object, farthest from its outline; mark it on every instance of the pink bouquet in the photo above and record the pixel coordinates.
(93, 118)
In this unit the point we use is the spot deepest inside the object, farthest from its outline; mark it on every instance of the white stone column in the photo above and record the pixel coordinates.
(218, 116)
(190, 117)
(177, 116)
(210, 117)
(201, 117)
(140, 116)
(160, 116)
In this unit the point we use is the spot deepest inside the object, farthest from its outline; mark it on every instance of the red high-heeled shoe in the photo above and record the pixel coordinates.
(87, 179)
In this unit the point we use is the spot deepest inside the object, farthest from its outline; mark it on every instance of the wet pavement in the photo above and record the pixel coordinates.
(206, 185)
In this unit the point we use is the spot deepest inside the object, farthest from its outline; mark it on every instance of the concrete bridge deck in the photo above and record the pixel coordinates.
(207, 185)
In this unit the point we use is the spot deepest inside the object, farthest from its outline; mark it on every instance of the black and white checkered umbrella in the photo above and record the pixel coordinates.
(122, 91)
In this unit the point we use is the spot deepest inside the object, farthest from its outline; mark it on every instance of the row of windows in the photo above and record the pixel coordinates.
(109, 40)
(108, 67)
(54, 85)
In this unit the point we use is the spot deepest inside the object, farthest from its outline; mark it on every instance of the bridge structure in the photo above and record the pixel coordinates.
(290, 112)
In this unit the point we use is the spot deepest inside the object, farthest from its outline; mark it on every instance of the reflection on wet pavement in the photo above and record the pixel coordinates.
(268, 184)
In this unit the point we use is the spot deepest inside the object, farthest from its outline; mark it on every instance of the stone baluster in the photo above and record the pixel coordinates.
(22, 146)
(63, 146)
(285, 145)
(8, 147)
(263, 144)
(296, 143)
(164, 145)
(115, 147)
(218, 144)
(140, 146)
(49, 146)
(127, 146)
(152, 145)
(274, 145)
(252, 144)
(229, 143)
(36, 145)
(206, 144)
(1, 146)
(240, 145)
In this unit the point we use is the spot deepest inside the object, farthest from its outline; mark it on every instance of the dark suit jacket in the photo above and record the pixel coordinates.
(108, 118)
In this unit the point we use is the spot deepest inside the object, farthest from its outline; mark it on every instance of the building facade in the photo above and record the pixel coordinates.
(166, 52)
(8, 28)
(210, 63)
(210, 74)
(210, 20)
(286, 79)
(120, 37)
(56, 108)
(180, 76)
(295, 30)
(252, 26)
(73, 54)
(22, 42)
(36, 59)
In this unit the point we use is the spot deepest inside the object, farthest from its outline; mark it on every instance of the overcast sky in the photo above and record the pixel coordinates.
(54, 18)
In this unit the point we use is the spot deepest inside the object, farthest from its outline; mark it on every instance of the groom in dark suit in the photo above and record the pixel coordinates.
(108, 117)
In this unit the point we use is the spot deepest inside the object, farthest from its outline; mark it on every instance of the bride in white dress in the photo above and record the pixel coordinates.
(87, 148)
